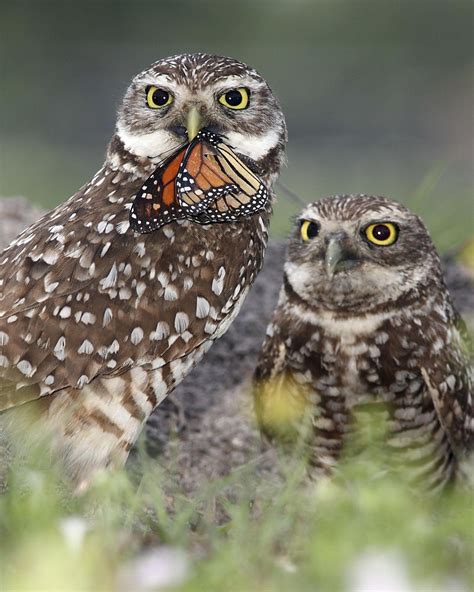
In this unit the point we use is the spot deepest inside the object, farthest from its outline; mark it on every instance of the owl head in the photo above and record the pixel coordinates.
(359, 252)
(167, 104)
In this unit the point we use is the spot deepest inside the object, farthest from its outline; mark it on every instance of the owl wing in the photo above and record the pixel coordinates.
(447, 375)
(280, 400)
(81, 296)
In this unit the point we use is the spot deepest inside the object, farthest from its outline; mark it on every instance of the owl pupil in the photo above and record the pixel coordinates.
(312, 230)
(160, 97)
(233, 97)
(381, 232)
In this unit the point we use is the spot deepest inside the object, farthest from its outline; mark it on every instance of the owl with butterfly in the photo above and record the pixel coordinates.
(109, 300)
(205, 182)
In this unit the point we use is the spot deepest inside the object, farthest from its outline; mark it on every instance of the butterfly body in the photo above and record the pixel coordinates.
(204, 182)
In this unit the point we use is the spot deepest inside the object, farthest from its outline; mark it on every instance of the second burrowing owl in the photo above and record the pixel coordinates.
(98, 323)
(364, 320)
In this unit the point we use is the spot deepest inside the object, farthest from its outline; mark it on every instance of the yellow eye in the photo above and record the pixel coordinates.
(157, 98)
(236, 98)
(309, 230)
(382, 234)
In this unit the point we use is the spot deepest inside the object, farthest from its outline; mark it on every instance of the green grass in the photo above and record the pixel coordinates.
(241, 533)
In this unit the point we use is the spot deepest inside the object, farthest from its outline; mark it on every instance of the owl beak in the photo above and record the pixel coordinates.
(194, 123)
(337, 257)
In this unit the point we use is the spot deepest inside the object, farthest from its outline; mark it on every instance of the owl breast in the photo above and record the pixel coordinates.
(356, 367)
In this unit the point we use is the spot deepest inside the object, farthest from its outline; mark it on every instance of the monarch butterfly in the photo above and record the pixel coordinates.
(204, 182)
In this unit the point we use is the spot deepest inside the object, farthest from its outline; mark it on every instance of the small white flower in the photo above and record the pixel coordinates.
(155, 569)
(73, 529)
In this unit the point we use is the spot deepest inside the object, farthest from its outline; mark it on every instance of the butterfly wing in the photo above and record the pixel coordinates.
(200, 181)
(214, 185)
(204, 182)
(252, 196)
(156, 203)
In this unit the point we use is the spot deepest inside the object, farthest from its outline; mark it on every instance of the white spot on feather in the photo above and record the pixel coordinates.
(86, 347)
(202, 307)
(218, 282)
(136, 336)
(170, 293)
(161, 332)
(111, 279)
(181, 322)
(26, 368)
(59, 349)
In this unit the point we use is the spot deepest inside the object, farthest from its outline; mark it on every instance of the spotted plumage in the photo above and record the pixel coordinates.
(99, 323)
(364, 321)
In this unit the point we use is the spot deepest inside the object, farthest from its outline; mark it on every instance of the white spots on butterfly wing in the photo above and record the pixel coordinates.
(3, 338)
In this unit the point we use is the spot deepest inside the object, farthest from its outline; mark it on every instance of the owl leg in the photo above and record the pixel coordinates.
(87, 430)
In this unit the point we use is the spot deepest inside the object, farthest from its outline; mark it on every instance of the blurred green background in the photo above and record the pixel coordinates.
(378, 94)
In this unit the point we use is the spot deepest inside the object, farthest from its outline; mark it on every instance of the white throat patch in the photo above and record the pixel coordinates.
(152, 145)
(255, 147)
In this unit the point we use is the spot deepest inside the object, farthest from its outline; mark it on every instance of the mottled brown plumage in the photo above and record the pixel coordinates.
(98, 323)
(366, 326)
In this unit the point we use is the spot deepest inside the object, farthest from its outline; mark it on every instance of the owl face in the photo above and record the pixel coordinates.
(358, 252)
(167, 104)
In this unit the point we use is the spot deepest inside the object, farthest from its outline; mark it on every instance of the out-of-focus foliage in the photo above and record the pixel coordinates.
(362, 530)
(378, 94)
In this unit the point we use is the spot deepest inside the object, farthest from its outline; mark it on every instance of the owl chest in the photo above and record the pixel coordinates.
(360, 369)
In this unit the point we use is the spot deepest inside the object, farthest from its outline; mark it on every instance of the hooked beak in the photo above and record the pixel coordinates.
(194, 123)
(337, 256)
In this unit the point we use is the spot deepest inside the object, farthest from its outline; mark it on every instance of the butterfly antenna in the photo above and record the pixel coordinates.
(291, 194)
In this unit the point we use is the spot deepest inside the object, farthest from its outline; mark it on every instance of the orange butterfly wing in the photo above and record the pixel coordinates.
(204, 182)
(156, 203)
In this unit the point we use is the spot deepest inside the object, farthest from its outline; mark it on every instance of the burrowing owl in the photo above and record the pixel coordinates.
(364, 320)
(99, 323)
